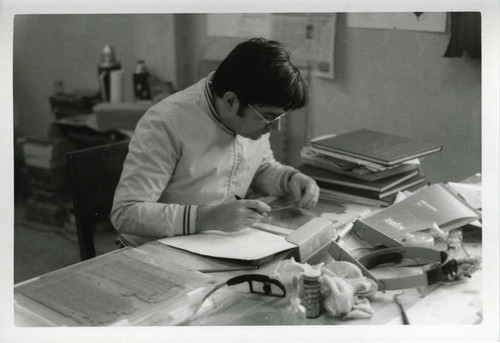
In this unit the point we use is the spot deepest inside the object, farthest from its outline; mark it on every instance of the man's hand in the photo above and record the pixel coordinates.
(231, 216)
(304, 190)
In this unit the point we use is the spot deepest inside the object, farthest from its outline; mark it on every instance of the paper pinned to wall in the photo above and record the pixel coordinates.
(244, 25)
(310, 37)
(411, 21)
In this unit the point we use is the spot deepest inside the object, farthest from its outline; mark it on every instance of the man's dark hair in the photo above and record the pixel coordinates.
(260, 72)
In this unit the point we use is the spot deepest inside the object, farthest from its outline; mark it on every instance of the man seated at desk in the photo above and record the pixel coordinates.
(198, 150)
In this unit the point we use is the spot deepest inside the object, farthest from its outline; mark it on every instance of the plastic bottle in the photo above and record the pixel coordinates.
(295, 313)
(141, 81)
(107, 64)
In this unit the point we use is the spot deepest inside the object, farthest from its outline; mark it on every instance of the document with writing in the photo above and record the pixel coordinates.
(247, 244)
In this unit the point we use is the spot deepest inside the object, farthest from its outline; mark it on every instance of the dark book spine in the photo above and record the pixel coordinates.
(351, 190)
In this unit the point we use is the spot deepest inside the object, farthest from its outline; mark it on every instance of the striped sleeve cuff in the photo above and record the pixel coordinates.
(189, 219)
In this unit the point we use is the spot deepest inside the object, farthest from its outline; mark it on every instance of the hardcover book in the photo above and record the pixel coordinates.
(313, 157)
(378, 147)
(413, 181)
(336, 196)
(380, 185)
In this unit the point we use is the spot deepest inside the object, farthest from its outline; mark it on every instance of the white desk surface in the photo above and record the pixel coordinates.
(458, 303)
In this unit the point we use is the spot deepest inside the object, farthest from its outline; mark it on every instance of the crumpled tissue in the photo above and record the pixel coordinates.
(344, 289)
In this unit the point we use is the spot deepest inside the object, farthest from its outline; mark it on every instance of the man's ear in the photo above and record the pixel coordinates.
(231, 102)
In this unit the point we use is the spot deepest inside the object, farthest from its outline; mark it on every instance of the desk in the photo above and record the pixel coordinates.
(453, 304)
(440, 304)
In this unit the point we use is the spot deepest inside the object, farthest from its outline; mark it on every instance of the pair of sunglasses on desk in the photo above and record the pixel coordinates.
(257, 283)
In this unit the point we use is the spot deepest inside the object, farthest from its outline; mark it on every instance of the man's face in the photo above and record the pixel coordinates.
(256, 120)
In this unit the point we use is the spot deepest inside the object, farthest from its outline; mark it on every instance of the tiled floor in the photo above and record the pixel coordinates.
(39, 249)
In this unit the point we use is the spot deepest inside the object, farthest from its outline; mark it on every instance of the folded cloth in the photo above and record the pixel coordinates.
(349, 271)
(344, 289)
(341, 300)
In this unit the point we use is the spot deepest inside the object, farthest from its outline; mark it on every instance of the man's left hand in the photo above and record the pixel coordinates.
(304, 190)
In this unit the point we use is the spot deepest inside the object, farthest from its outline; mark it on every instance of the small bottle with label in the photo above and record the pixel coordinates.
(311, 292)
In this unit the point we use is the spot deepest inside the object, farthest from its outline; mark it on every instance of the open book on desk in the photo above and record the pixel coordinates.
(437, 203)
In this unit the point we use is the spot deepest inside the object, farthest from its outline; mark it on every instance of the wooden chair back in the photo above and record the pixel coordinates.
(94, 174)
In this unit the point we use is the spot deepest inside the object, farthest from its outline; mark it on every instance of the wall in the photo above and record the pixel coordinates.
(67, 47)
(398, 82)
(389, 80)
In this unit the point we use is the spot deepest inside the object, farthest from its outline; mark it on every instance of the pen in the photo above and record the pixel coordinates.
(253, 209)
(227, 269)
(406, 321)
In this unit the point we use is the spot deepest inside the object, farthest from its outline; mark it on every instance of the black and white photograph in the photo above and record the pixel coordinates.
(252, 172)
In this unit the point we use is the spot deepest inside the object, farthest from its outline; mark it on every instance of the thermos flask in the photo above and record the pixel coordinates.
(108, 63)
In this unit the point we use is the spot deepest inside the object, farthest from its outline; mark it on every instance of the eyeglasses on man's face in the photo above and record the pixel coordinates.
(267, 121)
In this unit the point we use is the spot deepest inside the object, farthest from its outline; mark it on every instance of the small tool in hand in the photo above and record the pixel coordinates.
(403, 312)
(283, 205)
(237, 197)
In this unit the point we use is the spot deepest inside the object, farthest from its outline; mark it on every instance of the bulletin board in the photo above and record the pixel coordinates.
(310, 37)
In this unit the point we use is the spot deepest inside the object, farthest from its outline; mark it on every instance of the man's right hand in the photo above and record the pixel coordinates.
(232, 216)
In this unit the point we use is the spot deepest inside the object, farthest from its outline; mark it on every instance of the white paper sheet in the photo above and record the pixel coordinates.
(243, 25)
(471, 193)
(310, 38)
(247, 244)
(445, 307)
(412, 21)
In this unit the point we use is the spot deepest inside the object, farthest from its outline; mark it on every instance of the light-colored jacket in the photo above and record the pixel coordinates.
(182, 156)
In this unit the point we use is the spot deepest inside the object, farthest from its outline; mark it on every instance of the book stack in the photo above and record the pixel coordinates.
(47, 179)
(364, 166)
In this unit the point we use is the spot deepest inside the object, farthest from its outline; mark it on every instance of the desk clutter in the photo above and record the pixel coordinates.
(365, 166)
(329, 272)
(337, 288)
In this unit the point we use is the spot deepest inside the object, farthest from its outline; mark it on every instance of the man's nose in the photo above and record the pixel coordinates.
(275, 124)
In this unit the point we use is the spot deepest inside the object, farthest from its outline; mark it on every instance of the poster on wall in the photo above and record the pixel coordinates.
(310, 37)
(244, 25)
(410, 21)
